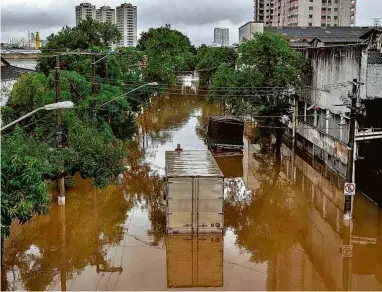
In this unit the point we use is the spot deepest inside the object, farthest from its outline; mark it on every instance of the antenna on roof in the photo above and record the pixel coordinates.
(377, 22)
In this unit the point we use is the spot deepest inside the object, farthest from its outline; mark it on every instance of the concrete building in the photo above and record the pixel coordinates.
(85, 10)
(105, 14)
(247, 30)
(221, 37)
(126, 21)
(323, 123)
(279, 13)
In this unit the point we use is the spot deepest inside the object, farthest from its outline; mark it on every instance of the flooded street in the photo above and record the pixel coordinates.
(283, 224)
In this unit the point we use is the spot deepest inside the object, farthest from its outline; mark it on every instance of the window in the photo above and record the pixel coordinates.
(335, 17)
(310, 0)
(322, 24)
(310, 24)
(310, 8)
(310, 15)
(335, 9)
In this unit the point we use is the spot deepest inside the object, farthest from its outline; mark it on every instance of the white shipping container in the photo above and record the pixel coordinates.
(194, 192)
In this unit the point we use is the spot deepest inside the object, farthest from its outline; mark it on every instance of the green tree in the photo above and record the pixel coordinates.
(88, 34)
(268, 68)
(208, 60)
(168, 51)
(23, 192)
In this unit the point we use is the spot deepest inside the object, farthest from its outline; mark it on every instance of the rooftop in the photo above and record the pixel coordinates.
(191, 164)
(9, 72)
(333, 34)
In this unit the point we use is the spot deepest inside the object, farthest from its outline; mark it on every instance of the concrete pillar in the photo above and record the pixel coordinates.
(315, 118)
(305, 109)
(328, 116)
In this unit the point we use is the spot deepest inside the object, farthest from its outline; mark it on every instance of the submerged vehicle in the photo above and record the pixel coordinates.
(225, 135)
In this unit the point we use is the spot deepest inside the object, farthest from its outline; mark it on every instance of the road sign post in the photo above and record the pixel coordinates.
(347, 251)
(349, 189)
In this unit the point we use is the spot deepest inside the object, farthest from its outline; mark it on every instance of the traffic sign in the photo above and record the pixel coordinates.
(349, 189)
(347, 251)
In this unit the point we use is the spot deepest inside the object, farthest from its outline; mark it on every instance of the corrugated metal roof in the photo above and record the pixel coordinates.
(191, 164)
(374, 57)
(11, 72)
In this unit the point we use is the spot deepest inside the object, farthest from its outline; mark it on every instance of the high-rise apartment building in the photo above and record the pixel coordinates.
(85, 10)
(106, 14)
(305, 12)
(221, 36)
(126, 21)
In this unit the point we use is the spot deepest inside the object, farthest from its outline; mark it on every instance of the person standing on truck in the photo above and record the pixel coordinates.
(178, 148)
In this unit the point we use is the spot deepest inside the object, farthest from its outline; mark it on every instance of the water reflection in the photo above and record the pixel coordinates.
(194, 260)
(69, 239)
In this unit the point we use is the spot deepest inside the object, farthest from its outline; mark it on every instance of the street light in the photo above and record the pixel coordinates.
(147, 84)
(48, 107)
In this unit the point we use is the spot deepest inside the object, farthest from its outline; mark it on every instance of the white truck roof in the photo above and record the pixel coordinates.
(194, 163)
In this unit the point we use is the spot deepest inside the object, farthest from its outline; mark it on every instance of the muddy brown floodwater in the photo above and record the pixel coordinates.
(283, 225)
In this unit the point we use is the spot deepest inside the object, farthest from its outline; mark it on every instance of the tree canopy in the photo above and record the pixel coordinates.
(208, 59)
(267, 69)
(169, 51)
(87, 34)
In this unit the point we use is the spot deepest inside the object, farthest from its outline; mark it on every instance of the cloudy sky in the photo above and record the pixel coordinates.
(195, 18)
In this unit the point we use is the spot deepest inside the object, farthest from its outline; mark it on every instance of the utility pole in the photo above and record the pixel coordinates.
(106, 70)
(294, 136)
(93, 75)
(294, 121)
(348, 206)
(59, 133)
(350, 170)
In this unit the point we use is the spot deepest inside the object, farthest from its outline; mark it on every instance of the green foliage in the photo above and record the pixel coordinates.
(92, 154)
(224, 88)
(164, 39)
(208, 59)
(123, 66)
(168, 51)
(271, 60)
(267, 69)
(23, 192)
(88, 34)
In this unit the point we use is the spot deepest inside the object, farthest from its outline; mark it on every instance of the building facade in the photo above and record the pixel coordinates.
(85, 10)
(126, 21)
(279, 13)
(247, 30)
(106, 14)
(221, 37)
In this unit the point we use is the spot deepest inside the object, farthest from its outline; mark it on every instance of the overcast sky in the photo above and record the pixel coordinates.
(195, 18)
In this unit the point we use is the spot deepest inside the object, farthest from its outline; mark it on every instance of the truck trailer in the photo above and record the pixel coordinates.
(194, 188)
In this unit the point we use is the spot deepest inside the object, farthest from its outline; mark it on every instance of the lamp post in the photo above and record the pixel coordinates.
(48, 107)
